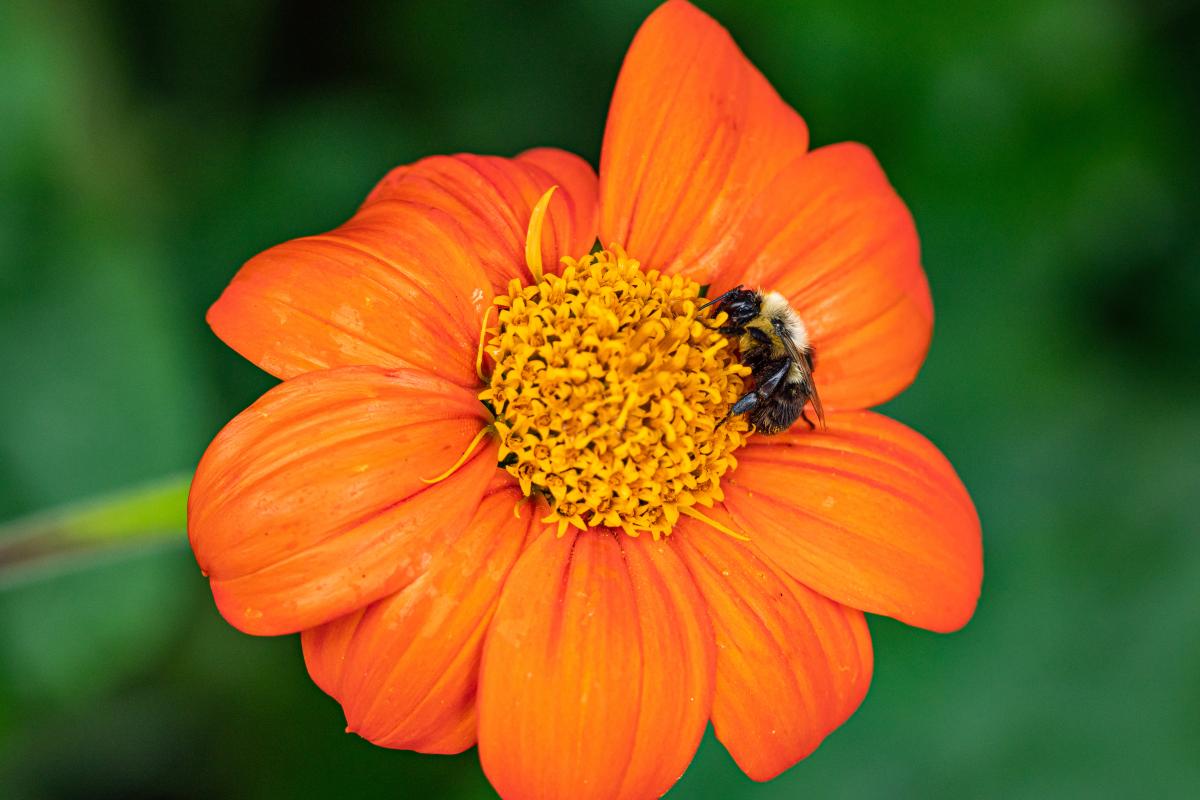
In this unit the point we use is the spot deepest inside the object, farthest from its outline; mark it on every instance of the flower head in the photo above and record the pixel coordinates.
(608, 394)
(499, 490)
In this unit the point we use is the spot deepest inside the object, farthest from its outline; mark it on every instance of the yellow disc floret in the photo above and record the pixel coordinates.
(607, 392)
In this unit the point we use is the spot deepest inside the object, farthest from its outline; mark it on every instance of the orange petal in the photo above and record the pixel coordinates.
(831, 234)
(597, 671)
(867, 513)
(325, 648)
(492, 197)
(694, 134)
(791, 665)
(405, 671)
(311, 503)
(398, 285)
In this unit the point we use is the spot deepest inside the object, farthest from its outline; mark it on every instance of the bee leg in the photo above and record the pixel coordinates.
(750, 400)
(807, 421)
(744, 404)
(769, 386)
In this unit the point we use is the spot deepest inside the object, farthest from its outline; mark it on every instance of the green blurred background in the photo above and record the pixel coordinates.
(1047, 150)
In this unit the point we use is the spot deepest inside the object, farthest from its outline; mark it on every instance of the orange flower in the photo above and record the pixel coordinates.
(465, 571)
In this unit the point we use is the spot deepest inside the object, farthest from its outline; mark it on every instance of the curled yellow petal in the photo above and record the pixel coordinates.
(533, 237)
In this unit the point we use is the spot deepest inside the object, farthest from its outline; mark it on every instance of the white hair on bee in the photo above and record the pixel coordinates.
(776, 306)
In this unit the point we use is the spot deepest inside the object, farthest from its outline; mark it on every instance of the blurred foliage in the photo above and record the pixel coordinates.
(1046, 149)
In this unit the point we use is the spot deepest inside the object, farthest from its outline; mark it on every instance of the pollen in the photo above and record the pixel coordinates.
(608, 392)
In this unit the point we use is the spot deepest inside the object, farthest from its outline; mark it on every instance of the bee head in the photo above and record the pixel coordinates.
(740, 305)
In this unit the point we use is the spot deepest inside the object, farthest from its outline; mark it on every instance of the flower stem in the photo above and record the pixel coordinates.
(81, 532)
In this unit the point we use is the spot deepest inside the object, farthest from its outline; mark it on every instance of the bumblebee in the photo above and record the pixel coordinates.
(773, 343)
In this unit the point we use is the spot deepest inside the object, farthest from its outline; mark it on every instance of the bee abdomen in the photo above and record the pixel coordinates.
(780, 410)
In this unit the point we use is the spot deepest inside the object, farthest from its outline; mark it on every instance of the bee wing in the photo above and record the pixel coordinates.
(803, 363)
(816, 400)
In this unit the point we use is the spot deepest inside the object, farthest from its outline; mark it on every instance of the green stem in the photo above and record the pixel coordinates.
(151, 513)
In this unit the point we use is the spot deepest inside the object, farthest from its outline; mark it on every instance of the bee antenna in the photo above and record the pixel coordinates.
(720, 298)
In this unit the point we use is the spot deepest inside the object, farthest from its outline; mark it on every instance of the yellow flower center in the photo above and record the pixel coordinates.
(607, 392)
